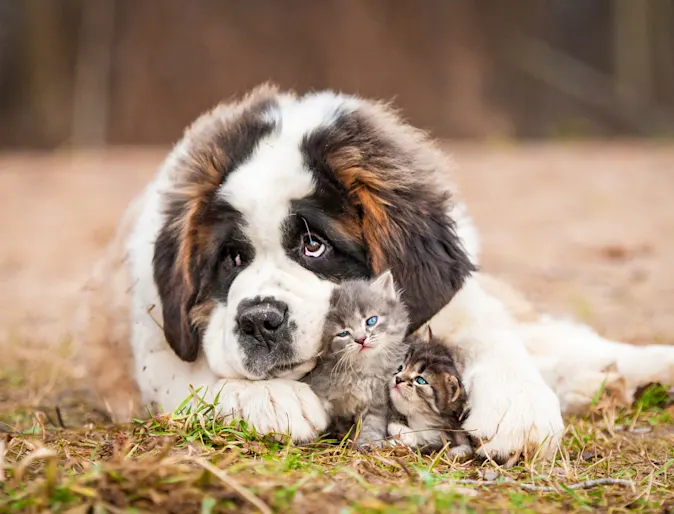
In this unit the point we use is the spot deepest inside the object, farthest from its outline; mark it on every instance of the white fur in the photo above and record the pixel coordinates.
(467, 231)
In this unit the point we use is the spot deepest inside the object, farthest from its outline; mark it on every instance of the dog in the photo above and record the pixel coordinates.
(220, 275)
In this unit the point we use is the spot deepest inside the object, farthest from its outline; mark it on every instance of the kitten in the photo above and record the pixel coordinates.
(428, 395)
(363, 341)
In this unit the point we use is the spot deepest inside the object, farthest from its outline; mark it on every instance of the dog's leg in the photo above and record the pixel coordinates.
(577, 362)
(512, 410)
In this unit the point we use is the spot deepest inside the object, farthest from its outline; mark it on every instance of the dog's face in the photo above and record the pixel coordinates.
(275, 199)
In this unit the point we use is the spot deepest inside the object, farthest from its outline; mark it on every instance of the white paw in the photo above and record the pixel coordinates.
(512, 411)
(275, 406)
(463, 451)
(402, 434)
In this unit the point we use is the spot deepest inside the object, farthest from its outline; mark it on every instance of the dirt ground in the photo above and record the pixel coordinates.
(585, 230)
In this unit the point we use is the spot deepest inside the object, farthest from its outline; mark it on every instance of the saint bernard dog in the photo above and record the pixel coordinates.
(221, 271)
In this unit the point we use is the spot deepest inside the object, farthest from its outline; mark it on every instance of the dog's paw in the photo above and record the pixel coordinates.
(513, 413)
(275, 406)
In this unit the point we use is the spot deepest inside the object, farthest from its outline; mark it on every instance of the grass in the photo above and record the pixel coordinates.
(187, 461)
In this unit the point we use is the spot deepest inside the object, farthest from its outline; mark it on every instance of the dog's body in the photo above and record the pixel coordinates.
(212, 281)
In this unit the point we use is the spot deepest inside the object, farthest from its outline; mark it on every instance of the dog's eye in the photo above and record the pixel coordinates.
(233, 259)
(312, 246)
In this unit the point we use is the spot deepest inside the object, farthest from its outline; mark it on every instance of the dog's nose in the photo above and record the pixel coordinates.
(398, 380)
(263, 320)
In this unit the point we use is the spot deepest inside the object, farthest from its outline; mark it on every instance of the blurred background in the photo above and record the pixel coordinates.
(92, 72)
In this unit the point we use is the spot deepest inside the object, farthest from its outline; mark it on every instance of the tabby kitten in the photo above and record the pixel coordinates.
(427, 393)
(363, 341)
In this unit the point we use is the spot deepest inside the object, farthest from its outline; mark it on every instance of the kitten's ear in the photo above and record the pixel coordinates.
(386, 284)
(454, 388)
(427, 335)
(424, 333)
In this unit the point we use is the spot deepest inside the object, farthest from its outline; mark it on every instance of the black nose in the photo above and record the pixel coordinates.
(263, 319)
(398, 379)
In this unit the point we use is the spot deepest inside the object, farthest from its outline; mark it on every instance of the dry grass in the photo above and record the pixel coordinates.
(60, 455)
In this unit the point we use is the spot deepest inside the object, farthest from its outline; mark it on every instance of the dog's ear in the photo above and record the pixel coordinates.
(394, 178)
(178, 294)
(421, 249)
(406, 229)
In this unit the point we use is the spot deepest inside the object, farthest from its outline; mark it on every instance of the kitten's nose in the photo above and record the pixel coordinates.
(398, 379)
(361, 340)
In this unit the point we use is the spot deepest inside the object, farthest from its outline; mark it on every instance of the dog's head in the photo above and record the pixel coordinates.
(273, 200)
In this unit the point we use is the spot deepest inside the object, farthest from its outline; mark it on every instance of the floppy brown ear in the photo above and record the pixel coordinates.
(178, 295)
(394, 175)
(421, 248)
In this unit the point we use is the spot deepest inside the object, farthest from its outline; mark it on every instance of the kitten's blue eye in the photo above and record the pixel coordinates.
(371, 322)
(343, 334)
(420, 381)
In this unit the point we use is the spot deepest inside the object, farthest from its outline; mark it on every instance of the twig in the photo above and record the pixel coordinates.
(59, 417)
(235, 486)
(149, 313)
(396, 463)
(587, 484)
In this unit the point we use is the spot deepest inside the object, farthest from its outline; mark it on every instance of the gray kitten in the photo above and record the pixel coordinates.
(429, 398)
(363, 342)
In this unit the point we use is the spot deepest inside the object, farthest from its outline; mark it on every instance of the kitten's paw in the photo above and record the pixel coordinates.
(370, 440)
(461, 452)
(370, 446)
(275, 406)
(512, 412)
(402, 434)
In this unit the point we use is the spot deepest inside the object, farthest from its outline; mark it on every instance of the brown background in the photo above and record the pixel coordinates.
(136, 71)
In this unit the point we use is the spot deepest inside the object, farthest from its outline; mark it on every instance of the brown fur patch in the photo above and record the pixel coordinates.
(364, 186)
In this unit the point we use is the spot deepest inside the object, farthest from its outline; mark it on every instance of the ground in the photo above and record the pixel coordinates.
(583, 229)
